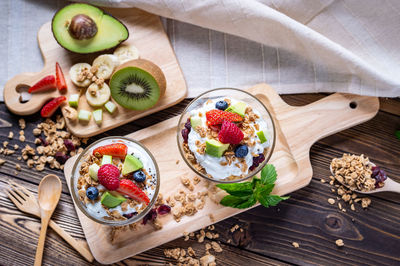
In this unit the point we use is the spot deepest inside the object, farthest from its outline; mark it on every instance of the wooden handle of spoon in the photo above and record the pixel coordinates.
(40, 245)
(391, 185)
(78, 246)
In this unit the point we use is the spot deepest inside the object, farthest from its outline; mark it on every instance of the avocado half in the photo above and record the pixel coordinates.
(107, 31)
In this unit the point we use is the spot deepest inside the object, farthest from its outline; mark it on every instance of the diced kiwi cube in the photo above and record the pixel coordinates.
(110, 107)
(215, 148)
(195, 121)
(131, 164)
(98, 116)
(238, 108)
(93, 169)
(112, 200)
(263, 136)
(107, 159)
(84, 115)
(73, 100)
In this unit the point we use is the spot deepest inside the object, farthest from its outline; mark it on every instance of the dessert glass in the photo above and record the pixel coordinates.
(242, 96)
(81, 158)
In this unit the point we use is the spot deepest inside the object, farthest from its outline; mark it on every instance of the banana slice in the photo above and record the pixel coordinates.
(126, 53)
(105, 65)
(79, 74)
(97, 96)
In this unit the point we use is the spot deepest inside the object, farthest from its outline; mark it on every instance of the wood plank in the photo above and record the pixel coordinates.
(308, 226)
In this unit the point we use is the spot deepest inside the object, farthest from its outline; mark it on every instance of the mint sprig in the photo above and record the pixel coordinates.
(246, 194)
(397, 133)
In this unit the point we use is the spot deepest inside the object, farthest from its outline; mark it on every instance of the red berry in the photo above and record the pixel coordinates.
(230, 133)
(130, 189)
(60, 80)
(216, 117)
(117, 150)
(50, 107)
(46, 83)
(108, 176)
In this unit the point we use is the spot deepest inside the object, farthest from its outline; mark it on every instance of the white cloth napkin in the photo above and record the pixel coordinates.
(299, 45)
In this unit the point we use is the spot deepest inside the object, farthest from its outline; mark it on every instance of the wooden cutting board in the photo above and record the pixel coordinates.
(298, 128)
(145, 32)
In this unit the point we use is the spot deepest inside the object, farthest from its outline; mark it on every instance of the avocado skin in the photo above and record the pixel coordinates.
(98, 51)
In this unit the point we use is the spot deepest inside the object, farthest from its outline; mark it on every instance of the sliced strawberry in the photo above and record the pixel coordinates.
(60, 80)
(50, 107)
(216, 117)
(130, 189)
(46, 83)
(117, 150)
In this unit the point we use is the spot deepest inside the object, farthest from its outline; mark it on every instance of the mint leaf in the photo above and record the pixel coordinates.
(264, 189)
(238, 189)
(268, 174)
(397, 133)
(273, 200)
(262, 192)
(238, 202)
(255, 182)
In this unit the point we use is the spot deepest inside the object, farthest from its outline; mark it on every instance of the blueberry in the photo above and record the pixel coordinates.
(241, 151)
(92, 193)
(221, 105)
(139, 176)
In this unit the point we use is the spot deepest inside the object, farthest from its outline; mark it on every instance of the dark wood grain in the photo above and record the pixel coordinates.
(371, 237)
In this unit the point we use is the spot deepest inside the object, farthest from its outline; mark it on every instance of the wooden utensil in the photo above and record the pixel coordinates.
(146, 33)
(49, 194)
(297, 129)
(390, 185)
(26, 201)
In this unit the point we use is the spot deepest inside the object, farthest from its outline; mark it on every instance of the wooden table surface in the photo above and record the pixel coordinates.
(371, 237)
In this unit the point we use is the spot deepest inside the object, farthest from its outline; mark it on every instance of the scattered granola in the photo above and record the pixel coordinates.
(295, 244)
(339, 243)
(331, 201)
(10, 135)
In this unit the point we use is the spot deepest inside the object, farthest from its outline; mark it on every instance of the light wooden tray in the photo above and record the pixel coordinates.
(298, 128)
(145, 32)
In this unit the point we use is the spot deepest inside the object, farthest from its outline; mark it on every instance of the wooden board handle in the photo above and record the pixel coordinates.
(12, 95)
(307, 124)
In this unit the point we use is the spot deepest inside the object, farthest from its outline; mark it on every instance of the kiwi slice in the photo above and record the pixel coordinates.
(137, 84)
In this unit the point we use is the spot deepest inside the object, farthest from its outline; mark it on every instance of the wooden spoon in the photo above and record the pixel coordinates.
(49, 193)
(389, 185)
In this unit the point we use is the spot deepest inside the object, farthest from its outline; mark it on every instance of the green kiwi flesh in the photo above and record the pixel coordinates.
(134, 88)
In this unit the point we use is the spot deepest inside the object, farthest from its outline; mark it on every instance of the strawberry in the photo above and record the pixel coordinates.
(117, 150)
(50, 107)
(60, 80)
(130, 189)
(108, 176)
(46, 83)
(230, 133)
(216, 117)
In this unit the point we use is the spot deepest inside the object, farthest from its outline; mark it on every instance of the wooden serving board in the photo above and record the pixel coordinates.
(145, 32)
(297, 129)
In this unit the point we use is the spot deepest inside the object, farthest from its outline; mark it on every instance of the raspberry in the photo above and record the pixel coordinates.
(230, 133)
(216, 117)
(108, 176)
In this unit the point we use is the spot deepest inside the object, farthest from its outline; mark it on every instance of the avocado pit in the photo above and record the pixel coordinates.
(82, 27)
